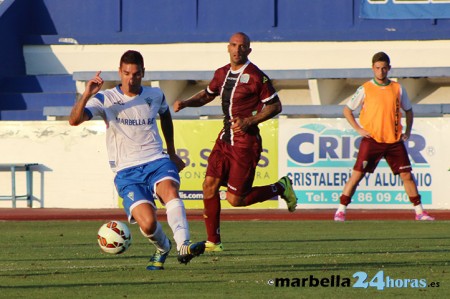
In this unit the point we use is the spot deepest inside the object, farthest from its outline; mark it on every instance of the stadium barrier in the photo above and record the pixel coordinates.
(312, 111)
(335, 73)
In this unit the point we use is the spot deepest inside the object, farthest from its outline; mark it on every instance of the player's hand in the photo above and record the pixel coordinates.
(405, 137)
(177, 106)
(178, 162)
(364, 133)
(95, 84)
(239, 125)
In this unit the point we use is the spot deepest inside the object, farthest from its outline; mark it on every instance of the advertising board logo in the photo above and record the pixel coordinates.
(322, 145)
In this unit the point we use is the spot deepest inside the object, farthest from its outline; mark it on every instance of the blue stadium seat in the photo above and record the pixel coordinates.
(24, 97)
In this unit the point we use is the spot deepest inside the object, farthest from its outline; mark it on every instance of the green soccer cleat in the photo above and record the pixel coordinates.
(190, 250)
(157, 260)
(213, 247)
(288, 194)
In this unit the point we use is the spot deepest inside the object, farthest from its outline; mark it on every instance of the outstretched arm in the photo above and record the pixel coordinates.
(78, 115)
(199, 99)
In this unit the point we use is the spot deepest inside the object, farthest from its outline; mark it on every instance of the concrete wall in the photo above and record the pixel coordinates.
(74, 172)
(67, 59)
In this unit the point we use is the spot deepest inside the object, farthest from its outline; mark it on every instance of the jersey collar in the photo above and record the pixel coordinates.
(378, 84)
(121, 92)
(241, 69)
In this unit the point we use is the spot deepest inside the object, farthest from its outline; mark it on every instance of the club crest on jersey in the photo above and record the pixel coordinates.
(148, 101)
(244, 78)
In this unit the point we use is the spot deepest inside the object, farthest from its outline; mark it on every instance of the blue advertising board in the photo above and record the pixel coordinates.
(405, 9)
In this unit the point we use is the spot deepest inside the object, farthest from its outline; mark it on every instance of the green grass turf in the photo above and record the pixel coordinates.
(61, 259)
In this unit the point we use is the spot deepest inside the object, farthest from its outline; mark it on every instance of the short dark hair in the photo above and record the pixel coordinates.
(132, 57)
(381, 56)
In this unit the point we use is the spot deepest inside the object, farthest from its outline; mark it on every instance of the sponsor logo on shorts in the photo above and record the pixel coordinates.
(232, 187)
(365, 164)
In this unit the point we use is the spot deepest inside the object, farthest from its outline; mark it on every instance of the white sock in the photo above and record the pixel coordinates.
(158, 238)
(342, 208)
(419, 209)
(176, 217)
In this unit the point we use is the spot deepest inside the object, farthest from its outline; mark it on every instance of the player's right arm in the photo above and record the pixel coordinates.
(78, 114)
(356, 101)
(197, 100)
(348, 114)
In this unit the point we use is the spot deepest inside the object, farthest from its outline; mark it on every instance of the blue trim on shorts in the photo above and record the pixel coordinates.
(135, 185)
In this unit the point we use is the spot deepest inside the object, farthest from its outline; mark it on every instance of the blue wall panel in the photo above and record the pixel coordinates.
(85, 17)
(13, 25)
(168, 21)
(171, 17)
(235, 15)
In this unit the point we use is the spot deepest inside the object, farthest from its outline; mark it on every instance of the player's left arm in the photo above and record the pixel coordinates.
(271, 109)
(409, 115)
(168, 132)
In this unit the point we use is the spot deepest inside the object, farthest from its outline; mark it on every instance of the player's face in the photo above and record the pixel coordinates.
(239, 49)
(380, 71)
(131, 77)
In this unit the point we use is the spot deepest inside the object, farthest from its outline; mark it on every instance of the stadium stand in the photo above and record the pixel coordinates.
(24, 97)
(354, 73)
(33, 29)
(294, 110)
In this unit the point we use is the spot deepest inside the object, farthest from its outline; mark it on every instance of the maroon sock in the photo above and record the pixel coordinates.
(211, 214)
(263, 193)
(345, 200)
(415, 200)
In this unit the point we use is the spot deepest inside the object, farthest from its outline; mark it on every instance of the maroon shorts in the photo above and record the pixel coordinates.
(235, 166)
(371, 152)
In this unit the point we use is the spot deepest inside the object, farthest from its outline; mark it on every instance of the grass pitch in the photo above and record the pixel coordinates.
(309, 259)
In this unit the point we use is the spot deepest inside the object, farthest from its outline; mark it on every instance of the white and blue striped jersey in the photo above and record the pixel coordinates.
(132, 136)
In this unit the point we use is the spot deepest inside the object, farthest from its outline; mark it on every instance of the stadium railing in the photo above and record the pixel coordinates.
(302, 111)
(316, 109)
(351, 73)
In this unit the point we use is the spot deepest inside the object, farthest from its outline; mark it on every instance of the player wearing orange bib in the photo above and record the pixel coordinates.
(381, 101)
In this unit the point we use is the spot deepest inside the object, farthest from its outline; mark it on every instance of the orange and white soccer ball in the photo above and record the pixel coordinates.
(114, 237)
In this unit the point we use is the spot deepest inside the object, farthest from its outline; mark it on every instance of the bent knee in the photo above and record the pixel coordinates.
(147, 225)
(235, 201)
(210, 187)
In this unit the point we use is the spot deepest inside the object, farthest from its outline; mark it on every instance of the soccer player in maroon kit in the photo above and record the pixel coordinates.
(248, 98)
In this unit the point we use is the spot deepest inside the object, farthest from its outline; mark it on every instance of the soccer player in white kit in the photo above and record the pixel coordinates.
(135, 149)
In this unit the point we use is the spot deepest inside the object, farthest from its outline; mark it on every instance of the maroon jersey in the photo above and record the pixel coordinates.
(244, 93)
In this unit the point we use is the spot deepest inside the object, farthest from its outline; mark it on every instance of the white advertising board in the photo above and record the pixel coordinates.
(319, 154)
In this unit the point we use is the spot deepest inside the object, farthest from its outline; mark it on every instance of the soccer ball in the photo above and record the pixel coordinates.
(114, 237)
